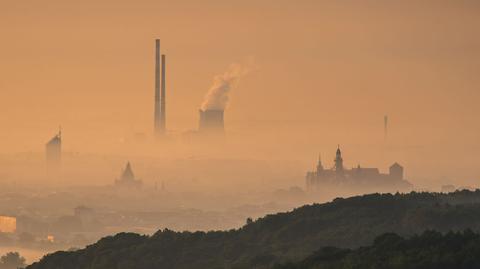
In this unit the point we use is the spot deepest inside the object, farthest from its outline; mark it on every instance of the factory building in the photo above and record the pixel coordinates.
(211, 121)
(211, 117)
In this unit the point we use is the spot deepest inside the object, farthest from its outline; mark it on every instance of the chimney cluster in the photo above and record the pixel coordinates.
(211, 119)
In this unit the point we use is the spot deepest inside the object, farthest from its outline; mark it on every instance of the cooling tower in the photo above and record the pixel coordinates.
(211, 121)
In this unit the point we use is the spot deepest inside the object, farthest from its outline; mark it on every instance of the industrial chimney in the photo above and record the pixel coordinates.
(163, 115)
(157, 87)
(211, 121)
(159, 114)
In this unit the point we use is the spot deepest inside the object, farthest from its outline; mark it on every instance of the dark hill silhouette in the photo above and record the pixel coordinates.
(431, 250)
(345, 223)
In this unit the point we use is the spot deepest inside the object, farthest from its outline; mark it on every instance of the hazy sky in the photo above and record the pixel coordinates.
(323, 67)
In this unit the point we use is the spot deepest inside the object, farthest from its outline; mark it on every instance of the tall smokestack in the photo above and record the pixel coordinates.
(385, 127)
(162, 108)
(157, 113)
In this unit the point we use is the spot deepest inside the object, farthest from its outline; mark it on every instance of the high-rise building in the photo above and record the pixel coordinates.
(53, 152)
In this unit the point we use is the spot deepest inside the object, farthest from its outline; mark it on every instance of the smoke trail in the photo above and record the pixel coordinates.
(218, 95)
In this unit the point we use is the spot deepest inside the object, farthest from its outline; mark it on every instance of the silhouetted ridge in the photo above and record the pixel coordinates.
(431, 250)
(342, 223)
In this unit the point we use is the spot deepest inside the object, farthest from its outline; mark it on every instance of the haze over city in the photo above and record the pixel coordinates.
(196, 115)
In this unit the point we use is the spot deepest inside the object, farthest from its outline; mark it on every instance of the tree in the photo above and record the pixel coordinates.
(12, 260)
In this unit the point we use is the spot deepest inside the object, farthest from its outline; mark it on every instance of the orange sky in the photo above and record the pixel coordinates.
(327, 71)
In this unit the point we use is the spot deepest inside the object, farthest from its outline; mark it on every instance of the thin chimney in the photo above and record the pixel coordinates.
(385, 127)
(163, 108)
(157, 113)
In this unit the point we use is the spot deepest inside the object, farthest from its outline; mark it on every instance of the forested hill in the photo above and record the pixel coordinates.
(345, 223)
(431, 250)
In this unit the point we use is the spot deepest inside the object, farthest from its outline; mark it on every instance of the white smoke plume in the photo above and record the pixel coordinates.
(218, 95)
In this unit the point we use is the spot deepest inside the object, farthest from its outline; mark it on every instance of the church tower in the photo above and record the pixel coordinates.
(319, 166)
(127, 178)
(339, 162)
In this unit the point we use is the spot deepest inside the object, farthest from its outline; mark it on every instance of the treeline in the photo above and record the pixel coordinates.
(431, 250)
(278, 238)
(12, 260)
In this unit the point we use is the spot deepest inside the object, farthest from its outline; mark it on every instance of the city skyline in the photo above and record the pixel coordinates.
(239, 133)
(316, 79)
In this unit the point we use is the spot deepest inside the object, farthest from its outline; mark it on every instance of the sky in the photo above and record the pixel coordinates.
(326, 73)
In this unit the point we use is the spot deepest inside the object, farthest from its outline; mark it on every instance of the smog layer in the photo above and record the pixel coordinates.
(206, 115)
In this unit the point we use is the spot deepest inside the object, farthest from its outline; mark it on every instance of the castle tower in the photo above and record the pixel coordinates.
(319, 165)
(339, 162)
(396, 171)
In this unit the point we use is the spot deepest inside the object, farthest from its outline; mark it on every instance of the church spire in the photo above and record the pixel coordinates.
(339, 160)
(319, 164)
(128, 173)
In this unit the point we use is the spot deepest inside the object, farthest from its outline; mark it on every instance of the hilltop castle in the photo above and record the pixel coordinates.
(358, 178)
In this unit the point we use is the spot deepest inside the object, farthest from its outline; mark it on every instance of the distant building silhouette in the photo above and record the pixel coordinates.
(358, 177)
(127, 178)
(8, 224)
(396, 171)
(53, 152)
(86, 214)
(81, 211)
(211, 121)
(448, 188)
